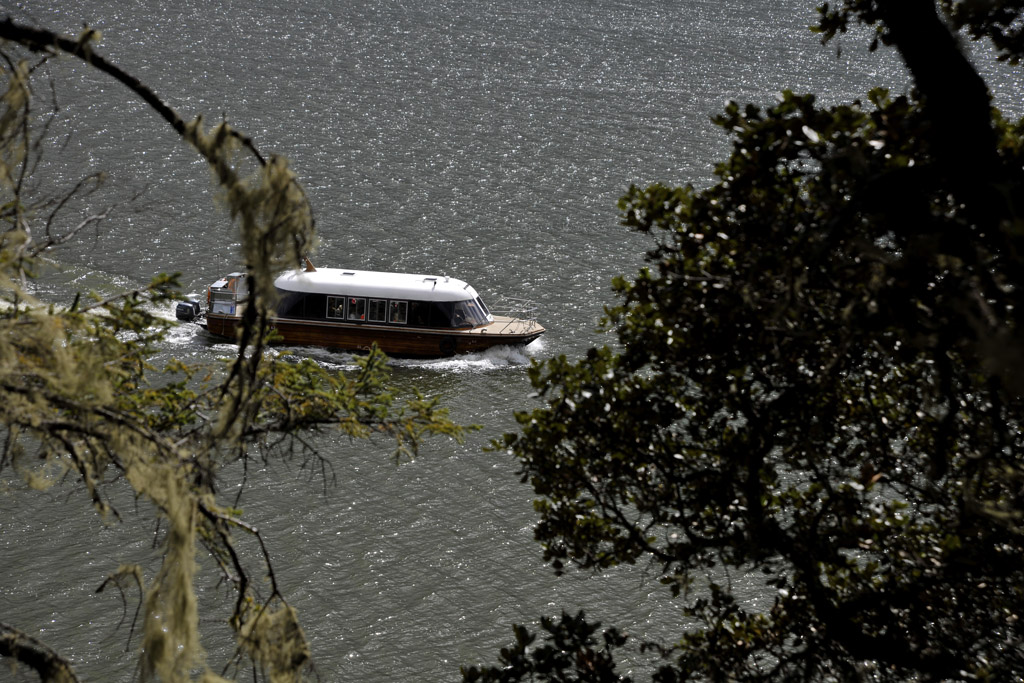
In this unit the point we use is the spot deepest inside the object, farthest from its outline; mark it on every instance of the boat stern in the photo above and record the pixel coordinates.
(226, 296)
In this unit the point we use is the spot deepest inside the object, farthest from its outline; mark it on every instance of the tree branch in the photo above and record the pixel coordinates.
(51, 667)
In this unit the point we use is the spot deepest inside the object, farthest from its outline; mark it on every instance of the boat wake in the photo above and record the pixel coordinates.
(493, 358)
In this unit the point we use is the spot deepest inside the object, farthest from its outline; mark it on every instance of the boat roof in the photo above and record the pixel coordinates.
(368, 283)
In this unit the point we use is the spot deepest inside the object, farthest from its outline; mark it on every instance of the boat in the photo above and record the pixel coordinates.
(404, 314)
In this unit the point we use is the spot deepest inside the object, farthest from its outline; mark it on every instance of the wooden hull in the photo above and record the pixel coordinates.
(408, 342)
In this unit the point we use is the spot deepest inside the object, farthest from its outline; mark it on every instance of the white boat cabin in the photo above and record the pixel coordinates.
(363, 297)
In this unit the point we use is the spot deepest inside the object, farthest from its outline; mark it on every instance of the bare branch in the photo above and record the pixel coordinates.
(51, 667)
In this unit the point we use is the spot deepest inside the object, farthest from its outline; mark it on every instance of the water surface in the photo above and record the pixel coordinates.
(481, 139)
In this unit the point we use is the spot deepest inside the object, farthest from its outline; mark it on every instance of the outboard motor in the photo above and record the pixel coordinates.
(187, 310)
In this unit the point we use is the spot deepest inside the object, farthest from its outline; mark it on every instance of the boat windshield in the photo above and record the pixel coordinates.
(469, 313)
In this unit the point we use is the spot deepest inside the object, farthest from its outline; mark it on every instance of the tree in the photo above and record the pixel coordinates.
(818, 381)
(79, 399)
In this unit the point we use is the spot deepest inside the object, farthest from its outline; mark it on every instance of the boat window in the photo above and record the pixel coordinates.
(481, 315)
(378, 310)
(483, 306)
(419, 313)
(468, 313)
(302, 305)
(437, 314)
(290, 305)
(356, 309)
(313, 306)
(335, 307)
(462, 315)
(399, 312)
(441, 314)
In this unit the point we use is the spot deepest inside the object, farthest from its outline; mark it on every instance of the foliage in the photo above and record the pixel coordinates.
(572, 646)
(80, 399)
(817, 381)
(997, 20)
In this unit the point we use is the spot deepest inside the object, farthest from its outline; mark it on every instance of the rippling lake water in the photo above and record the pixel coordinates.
(482, 139)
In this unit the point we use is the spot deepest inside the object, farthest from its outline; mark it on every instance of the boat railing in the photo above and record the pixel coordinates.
(520, 313)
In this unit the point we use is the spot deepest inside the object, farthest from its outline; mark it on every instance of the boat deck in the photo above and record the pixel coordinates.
(505, 325)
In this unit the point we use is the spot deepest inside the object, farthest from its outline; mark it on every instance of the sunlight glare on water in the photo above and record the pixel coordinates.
(485, 140)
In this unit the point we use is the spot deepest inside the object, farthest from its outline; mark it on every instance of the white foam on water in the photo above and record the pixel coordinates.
(494, 358)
